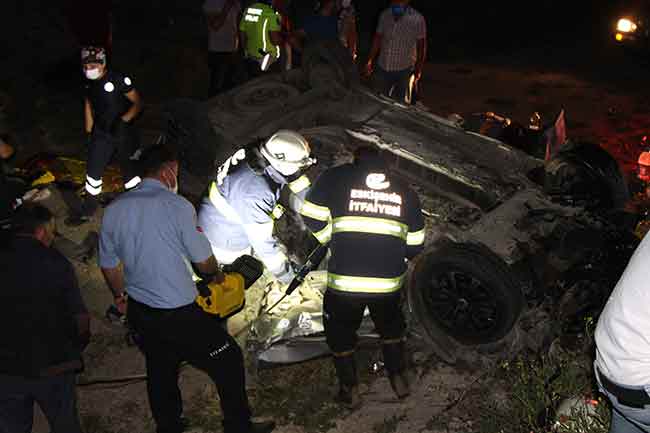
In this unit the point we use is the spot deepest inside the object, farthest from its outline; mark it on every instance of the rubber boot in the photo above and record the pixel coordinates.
(395, 361)
(346, 371)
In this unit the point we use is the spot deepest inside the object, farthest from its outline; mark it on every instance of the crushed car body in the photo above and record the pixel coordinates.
(501, 226)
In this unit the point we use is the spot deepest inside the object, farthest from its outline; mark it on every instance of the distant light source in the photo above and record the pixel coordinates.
(625, 25)
(619, 37)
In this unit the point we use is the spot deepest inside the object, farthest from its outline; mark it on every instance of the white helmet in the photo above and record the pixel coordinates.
(287, 152)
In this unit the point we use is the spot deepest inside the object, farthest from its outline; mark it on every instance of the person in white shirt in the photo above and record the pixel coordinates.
(223, 17)
(622, 365)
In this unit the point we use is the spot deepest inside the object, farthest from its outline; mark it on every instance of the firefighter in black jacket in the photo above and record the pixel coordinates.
(372, 222)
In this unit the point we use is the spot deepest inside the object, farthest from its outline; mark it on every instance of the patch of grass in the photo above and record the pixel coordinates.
(204, 410)
(300, 394)
(536, 387)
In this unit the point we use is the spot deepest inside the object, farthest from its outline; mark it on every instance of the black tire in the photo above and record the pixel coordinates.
(465, 292)
(587, 175)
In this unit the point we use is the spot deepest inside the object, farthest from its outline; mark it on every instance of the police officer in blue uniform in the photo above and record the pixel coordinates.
(148, 238)
(372, 222)
(111, 105)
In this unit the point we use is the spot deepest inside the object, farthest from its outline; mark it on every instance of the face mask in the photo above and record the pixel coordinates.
(92, 74)
(398, 10)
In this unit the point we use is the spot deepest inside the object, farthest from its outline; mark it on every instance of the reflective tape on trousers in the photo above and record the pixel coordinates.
(135, 181)
(347, 283)
(379, 226)
(93, 190)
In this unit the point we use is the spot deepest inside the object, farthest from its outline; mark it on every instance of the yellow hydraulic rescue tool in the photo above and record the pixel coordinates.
(228, 298)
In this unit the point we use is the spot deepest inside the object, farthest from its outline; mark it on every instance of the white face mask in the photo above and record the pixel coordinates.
(92, 74)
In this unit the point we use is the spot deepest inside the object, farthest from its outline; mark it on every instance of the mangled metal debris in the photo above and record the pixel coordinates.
(495, 219)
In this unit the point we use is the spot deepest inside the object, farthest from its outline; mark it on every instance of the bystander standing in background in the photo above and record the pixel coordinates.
(149, 236)
(398, 51)
(45, 328)
(622, 365)
(322, 25)
(347, 27)
(223, 18)
(260, 31)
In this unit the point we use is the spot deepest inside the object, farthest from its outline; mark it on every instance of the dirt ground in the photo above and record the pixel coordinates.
(606, 100)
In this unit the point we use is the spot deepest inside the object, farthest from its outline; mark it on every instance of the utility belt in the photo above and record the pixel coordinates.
(630, 397)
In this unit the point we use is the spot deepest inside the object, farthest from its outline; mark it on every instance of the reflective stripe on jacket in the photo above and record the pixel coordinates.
(258, 21)
(372, 222)
(238, 214)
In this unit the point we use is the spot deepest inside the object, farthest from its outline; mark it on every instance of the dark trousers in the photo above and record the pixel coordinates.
(170, 337)
(225, 71)
(343, 314)
(253, 68)
(123, 143)
(56, 397)
(394, 84)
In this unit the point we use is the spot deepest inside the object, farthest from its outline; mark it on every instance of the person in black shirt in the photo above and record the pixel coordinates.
(45, 327)
(321, 25)
(110, 106)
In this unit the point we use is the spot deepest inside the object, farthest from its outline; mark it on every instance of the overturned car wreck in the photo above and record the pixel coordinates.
(507, 233)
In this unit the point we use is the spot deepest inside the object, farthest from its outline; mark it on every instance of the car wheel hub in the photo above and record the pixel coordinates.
(462, 304)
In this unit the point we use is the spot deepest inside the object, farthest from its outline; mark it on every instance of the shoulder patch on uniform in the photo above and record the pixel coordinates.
(109, 87)
(127, 81)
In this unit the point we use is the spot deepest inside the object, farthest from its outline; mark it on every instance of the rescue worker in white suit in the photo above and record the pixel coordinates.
(239, 211)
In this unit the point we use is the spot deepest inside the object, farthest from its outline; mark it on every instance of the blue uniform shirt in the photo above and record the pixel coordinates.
(153, 233)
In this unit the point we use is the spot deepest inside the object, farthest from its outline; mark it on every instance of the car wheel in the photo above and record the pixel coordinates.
(465, 292)
(587, 175)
